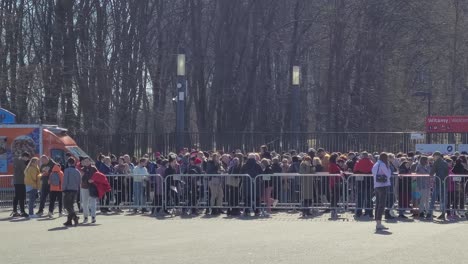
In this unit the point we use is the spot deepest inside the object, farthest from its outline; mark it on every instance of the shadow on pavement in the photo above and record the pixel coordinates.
(383, 232)
(45, 219)
(20, 219)
(58, 228)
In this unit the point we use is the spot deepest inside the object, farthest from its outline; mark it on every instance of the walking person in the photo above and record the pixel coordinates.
(70, 187)
(381, 174)
(88, 202)
(20, 164)
(32, 180)
(55, 183)
(98, 187)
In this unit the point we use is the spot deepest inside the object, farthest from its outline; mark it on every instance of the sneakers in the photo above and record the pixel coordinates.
(24, 214)
(403, 216)
(33, 216)
(275, 202)
(15, 214)
(441, 217)
(380, 227)
(50, 215)
(40, 212)
(93, 220)
(61, 214)
(85, 220)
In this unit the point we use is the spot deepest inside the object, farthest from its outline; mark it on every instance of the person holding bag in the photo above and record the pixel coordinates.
(98, 187)
(381, 173)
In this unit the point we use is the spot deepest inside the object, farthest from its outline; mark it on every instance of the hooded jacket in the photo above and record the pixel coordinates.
(32, 177)
(102, 185)
(56, 169)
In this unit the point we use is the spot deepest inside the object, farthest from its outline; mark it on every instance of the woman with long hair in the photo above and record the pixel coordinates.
(32, 180)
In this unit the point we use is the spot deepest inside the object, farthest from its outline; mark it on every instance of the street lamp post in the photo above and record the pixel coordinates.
(180, 100)
(426, 95)
(295, 104)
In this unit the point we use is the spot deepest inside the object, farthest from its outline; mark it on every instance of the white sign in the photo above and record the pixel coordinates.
(417, 136)
(431, 148)
(462, 147)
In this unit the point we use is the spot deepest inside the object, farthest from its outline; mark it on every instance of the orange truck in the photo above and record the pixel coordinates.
(37, 140)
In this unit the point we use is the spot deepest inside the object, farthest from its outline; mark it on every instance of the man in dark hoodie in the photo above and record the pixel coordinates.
(20, 164)
(441, 170)
(252, 168)
(46, 168)
(193, 169)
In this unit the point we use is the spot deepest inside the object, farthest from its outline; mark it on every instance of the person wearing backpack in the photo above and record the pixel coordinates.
(55, 183)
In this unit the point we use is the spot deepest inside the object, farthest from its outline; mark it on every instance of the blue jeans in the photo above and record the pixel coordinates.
(32, 200)
(137, 194)
(439, 190)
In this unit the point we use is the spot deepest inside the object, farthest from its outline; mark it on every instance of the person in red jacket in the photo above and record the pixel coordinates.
(98, 187)
(101, 183)
(364, 185)
(334, 183)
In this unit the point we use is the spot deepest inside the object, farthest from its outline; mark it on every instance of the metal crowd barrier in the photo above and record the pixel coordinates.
(408, 192)
(208, 191)
(417, 193)
(306, 192)
(456, 197)
(7, 191)
(135, 192)
(360, 192)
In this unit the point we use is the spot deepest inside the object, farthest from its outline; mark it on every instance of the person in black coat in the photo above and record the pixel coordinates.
(404, 188)
(252, 168)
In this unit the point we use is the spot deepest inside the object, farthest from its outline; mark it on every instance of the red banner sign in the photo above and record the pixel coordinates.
(455, 124)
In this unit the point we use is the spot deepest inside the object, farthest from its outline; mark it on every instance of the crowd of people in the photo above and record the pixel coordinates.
(89, 183)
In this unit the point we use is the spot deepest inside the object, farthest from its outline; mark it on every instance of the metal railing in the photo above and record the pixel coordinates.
(305, 192)
(456, 197)
(138, 144)
(290, 191)
(134, 192)
(7, 191)
(191, 192)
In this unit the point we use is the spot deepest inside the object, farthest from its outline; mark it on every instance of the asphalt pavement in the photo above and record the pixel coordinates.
(281, 238)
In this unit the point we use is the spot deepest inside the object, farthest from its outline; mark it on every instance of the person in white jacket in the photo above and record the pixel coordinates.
(381, 173)
(139, 175)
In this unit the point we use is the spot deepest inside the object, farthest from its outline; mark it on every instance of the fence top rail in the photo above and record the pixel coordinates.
(130, 175)
(5, 176)
(255, 133)
(209, 175)
(304, 175)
